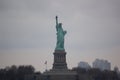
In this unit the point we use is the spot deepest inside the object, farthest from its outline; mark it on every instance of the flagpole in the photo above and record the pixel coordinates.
(46, 66)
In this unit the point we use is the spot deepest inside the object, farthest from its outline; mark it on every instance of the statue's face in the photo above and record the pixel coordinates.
(60, 24)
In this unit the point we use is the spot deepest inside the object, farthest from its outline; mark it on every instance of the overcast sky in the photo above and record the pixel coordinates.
(28, 36)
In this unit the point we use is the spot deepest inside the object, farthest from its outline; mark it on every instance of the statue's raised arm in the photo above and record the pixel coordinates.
(56, 23)
(56, 20)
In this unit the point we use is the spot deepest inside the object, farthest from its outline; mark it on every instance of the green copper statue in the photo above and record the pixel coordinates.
(60, 36)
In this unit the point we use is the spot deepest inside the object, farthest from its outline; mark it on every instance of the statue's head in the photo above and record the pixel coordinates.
(60, 24)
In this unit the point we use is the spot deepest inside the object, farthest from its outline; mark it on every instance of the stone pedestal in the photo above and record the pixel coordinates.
(59, 60)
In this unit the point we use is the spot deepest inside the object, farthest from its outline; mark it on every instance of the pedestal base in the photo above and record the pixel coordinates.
(60, 70)
(60, 75)
(59, 60)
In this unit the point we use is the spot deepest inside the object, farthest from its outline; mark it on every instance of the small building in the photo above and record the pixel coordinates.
(84, 65)
(102, 64)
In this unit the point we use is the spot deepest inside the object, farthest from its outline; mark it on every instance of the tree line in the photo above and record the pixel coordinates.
(96, 74)
(19, 73)
(16, 73)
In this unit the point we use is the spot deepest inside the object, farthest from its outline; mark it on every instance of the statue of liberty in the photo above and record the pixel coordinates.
(60, 36)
